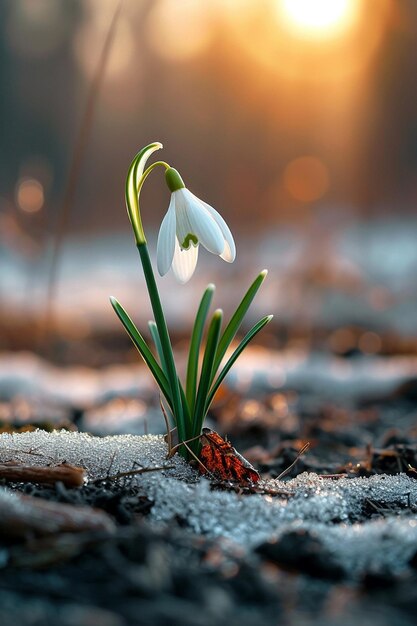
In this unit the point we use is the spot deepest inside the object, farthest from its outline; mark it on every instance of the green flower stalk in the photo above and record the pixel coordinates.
(188, 223)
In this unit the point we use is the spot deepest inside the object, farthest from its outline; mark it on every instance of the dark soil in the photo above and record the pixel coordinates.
(166, 575)
(142, 575)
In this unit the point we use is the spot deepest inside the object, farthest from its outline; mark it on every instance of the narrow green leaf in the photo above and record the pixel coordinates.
(153, 329)
(212, 342)
(236, 320)
(186, 410)
(157, 341)
(196, 337)
(247, 338)
(131, 194)
(143, 349)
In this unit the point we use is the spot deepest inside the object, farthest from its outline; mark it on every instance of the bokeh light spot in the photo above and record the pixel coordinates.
(318, 18)
(179, 30)
(30, 195)
(369, 343)
(306, 178)
(342, 340)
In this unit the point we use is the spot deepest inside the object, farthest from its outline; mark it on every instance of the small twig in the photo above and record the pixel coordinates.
(240, 488)
(199, 461)
(266, 491)
(334, 476)
(142, 470)
(169, 431)
(113, 456)
(184, 443)
(31, 452)
(373, 505)
(289, 468)
(400, 464)
(68, 474)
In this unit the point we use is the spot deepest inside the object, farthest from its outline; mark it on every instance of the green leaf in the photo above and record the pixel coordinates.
(157, 341)
(143, 349)
(247, 338)
(213, 335)
(186, 411)
(133, 177)
(153, 329)
(236, 320)
(196, 337)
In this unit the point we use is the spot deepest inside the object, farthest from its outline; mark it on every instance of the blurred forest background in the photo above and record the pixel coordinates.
(296, 119)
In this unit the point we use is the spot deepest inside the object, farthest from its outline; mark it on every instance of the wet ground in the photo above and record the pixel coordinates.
(357, 411)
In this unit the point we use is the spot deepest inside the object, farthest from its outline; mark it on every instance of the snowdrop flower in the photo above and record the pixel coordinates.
(190, 221)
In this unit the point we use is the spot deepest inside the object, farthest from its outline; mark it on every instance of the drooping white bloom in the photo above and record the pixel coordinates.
(188, 222)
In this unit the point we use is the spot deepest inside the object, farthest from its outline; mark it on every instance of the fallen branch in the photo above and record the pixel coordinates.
(70, 475)
(24, 516)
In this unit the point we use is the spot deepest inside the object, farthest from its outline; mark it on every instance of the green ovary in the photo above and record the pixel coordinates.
(190, 239)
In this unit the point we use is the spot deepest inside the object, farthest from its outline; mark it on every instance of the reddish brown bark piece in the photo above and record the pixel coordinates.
(220, 458)
(70, 475)
(23, 516)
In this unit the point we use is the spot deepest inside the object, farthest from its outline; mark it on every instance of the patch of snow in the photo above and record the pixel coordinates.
(324, 374)
(99, 456)
(26, 375)
(330, 508)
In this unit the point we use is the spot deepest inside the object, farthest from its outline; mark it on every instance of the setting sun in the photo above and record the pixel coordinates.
(319, 17)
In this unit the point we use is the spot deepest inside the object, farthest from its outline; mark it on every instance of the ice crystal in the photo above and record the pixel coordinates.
(333, 509)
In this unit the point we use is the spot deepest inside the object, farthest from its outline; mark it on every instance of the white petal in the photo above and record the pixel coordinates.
(183, 225)
(184, 262)
(166, 240)
(203, 224)
(229, 253)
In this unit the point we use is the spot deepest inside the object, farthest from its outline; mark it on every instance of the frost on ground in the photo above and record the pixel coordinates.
(331, 509)
(26, 375)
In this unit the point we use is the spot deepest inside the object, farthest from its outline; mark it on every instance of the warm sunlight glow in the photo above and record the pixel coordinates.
(178, 31)
(306, 179)
(30, 195)
(318, 17)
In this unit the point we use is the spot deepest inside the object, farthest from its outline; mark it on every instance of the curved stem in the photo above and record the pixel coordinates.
(165, 339)
(160, 321)
(134, 175)
(135, 179)
(147, 172)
